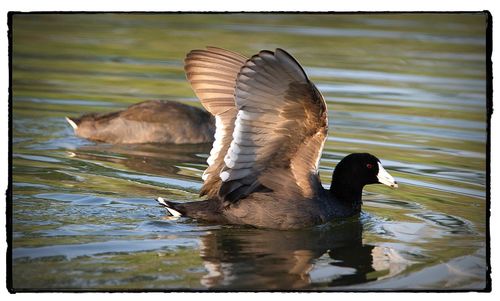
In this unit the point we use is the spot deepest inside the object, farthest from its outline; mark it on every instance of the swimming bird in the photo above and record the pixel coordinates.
(152, 121)
(271, 125)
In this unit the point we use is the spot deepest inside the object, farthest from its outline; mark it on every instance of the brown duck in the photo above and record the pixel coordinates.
(152, 121)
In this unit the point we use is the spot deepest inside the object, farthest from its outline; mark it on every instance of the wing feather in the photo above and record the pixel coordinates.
(279, 131)
(212, 74)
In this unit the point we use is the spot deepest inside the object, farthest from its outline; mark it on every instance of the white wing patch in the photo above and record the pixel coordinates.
(216, 146)
(241, 155)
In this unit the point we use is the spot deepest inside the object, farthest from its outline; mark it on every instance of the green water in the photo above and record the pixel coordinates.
(409, 88)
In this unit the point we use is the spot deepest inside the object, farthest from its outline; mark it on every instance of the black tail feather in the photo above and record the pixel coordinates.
(172, 208)
(207, 210)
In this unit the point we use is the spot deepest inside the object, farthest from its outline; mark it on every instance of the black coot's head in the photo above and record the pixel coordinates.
(360, 169)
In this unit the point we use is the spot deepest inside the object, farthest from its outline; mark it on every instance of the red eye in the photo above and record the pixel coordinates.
(369, 166)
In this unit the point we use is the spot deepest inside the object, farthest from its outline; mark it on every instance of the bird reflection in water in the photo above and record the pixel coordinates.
(157, 159)
(332, 255)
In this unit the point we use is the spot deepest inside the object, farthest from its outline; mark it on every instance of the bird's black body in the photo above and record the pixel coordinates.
(280, 210)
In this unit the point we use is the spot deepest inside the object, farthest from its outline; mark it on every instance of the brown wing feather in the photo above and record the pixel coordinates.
(212, 74)
(279, 132)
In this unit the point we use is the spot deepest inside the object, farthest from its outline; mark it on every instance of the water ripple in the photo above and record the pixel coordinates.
(95, 248)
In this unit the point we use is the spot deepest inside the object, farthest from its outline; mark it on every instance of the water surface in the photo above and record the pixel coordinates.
(408, 88)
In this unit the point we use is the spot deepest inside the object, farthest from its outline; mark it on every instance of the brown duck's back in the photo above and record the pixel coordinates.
(148, 122)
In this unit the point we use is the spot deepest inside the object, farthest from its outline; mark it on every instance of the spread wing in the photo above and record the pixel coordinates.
(279, 132)
(212, 74)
